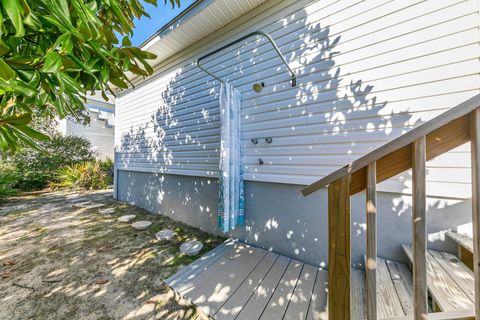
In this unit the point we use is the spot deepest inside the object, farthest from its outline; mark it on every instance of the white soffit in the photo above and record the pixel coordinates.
(198, 21)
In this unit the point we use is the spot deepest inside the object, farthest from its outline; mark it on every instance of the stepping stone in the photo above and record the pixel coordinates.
(127, 218)
(83, 204)
(95, 205)
(72, 196)
(191, 248)
(107, 211)
(141, 225)
(165, 234)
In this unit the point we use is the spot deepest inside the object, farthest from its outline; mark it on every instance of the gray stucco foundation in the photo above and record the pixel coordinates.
(279, 218)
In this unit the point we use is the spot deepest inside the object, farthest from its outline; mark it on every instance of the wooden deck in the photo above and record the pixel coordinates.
(237, 281)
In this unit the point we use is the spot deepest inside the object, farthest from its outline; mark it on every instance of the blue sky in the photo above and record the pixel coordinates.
(159, 16)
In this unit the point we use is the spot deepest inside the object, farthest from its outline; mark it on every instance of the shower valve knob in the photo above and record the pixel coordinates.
(254, 141)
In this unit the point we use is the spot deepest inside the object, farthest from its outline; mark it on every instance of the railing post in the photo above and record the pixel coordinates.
(339, 302)
(371, 267)
(475, 151)
(419, 220)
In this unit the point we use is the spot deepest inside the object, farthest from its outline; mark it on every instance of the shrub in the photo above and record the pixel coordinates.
(7, 181)
(35, 169)
(107, 167)
(87, 175)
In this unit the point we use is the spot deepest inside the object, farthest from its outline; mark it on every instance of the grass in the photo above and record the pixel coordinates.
(101, 268)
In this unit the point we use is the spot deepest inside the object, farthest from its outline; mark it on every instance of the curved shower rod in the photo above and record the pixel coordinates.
(255, 33)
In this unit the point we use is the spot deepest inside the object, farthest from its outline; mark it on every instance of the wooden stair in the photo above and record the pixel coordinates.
(411, 150)
(450, 282)
(464, 247)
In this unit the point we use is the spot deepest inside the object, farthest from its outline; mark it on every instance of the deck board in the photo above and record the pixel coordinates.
(403, 281)
(300, 300)
(221, 280)
(318, 301)
(258, 301)
(208, 273)
(459, 272)
(281, 297)
(198, 265)
(359, 308)
(236, 302)
(388, 302)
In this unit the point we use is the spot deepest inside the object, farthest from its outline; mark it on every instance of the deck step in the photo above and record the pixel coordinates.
(449, 281)
(464, 247)
(462, 240)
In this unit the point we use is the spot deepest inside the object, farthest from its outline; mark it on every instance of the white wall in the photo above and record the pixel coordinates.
(97, 132)
(367, 71)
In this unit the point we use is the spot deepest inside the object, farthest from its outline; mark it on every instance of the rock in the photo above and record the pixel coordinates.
(127, 218)
(83, 204)
(106, 211)
(72, 196)
(95, 205)
(165, 234)
(141, 225)
(191, 248)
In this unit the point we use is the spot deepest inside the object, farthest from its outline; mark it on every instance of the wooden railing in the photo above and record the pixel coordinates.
(451, 129)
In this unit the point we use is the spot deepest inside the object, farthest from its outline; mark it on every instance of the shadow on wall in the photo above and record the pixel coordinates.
(182, 138)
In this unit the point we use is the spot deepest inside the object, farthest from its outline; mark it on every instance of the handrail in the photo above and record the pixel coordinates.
(428, 127)
(412, 150)
(255, 33)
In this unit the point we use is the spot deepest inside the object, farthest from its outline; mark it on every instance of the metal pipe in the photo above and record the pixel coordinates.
(255, 33)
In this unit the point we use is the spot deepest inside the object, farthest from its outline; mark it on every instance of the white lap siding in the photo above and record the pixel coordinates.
(367, 71)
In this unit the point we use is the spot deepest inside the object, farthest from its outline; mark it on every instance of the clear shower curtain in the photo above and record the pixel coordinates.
(231, 198)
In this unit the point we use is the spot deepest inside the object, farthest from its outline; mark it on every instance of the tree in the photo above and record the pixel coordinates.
(53, 52)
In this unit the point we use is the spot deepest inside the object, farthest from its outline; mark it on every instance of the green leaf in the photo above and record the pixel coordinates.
(30, 18)
(104, 72)
(4, 49)
(53, 62)
(126, 42)
(21, 62)
(54, 51)
(20, 87)
(14, 11)
(2, 26)
(136, 70)
(7, 139)
(118, 82)
(29, 131)
(17, 119)
(64, 43)
(6, 73)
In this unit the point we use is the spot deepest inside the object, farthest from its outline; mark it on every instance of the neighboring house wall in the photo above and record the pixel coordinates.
(368, 71)
(100, 131)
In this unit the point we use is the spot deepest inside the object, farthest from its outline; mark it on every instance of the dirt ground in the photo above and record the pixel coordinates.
(60, 260)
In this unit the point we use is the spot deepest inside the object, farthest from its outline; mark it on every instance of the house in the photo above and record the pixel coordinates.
(367, 72)
(99, 131)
